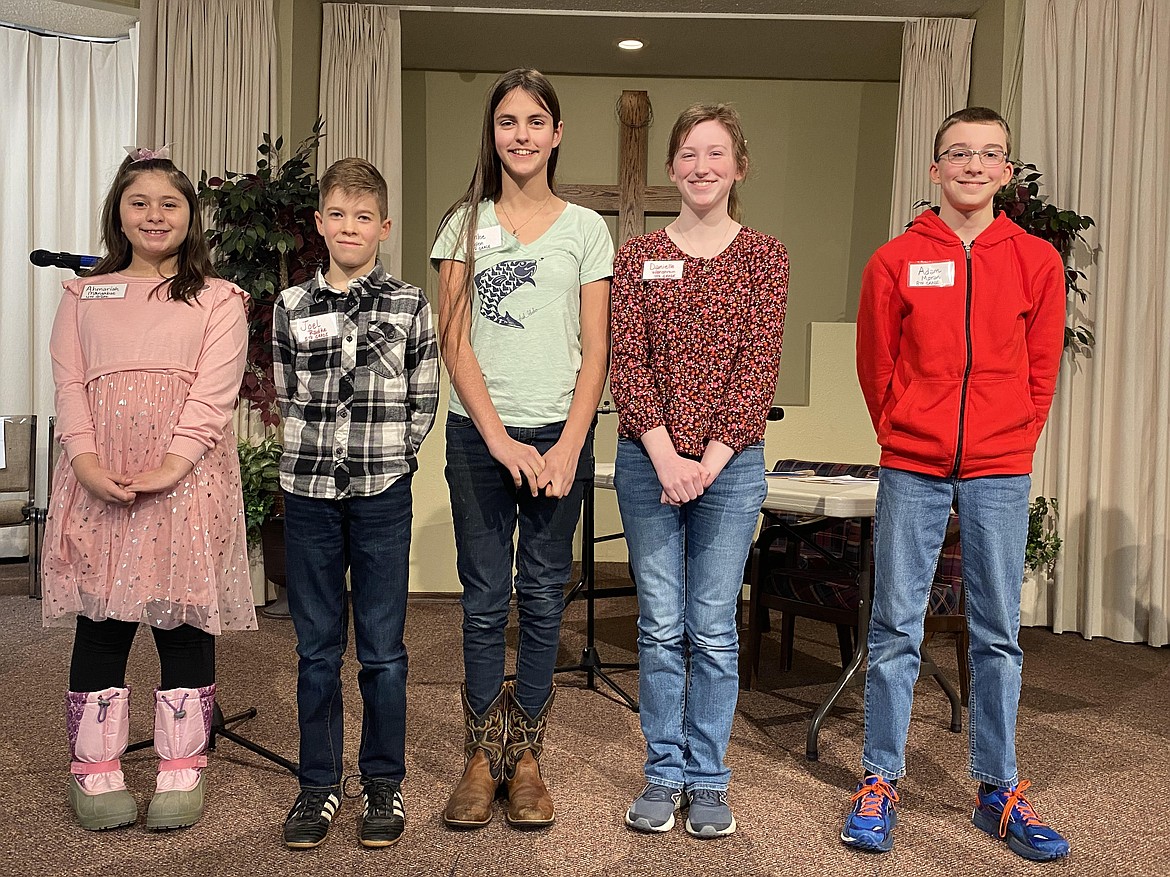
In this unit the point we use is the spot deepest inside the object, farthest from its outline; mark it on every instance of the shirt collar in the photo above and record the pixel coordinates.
(375, 275)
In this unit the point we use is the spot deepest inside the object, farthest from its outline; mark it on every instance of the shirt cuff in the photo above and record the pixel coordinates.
(187, 448)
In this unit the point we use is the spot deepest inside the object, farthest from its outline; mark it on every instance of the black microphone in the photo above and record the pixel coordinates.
(75, 263)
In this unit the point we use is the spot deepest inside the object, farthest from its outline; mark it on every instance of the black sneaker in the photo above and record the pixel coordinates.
(309, 819)
(383, 818)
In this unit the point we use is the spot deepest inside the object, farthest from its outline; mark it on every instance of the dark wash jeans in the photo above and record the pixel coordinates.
(487, 507)
(371, 536)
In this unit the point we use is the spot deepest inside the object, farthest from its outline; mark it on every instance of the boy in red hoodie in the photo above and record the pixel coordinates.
(959, 337)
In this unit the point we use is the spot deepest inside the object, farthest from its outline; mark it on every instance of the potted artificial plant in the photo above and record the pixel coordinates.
(264, 237)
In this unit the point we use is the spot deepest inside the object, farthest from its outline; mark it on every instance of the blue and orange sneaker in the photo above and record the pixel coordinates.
(870, 824)
(1005, 813)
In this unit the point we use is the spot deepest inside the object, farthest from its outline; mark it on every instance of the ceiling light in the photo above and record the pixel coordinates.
(630, 45)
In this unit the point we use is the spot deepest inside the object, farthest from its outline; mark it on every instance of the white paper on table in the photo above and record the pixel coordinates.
(835, 479)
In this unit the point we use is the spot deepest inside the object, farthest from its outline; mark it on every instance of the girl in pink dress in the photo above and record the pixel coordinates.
(147, 519)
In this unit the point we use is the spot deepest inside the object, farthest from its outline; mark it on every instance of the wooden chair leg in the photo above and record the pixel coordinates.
(845, 642)
(749, 654)
(787, 635)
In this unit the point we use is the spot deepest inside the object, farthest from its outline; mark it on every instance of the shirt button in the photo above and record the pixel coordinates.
(344, 414)
(348, 337)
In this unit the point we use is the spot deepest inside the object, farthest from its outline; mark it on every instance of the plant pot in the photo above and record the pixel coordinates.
(272, 540)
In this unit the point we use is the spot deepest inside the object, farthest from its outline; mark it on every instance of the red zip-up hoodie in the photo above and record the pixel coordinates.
(958, 347)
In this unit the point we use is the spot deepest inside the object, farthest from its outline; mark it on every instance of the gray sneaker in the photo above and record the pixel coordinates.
(653, 809)
(709, 816)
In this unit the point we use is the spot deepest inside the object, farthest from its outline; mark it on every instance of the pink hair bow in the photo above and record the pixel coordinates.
(142, 153)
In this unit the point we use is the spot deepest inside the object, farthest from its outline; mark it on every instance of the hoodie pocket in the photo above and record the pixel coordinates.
(924, 421)
(1000, 416)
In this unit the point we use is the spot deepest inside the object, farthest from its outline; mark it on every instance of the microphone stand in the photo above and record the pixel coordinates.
(591, 664)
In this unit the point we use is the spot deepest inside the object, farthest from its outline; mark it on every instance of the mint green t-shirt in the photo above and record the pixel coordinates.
(526, 308)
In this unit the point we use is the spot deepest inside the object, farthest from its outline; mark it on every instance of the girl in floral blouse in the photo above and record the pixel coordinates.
(697, 321)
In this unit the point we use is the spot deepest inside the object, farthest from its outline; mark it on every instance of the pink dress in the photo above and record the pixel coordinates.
(139, 376)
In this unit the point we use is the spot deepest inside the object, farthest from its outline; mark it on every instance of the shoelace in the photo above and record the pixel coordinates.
(1015, 800)
(380, 798)
(310, 804)
(871, 795)
(658, 794)
(708, 797)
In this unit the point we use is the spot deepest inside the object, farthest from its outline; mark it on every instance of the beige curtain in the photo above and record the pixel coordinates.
(936, 71)
(1095, 107)
(361, 99)
(207, 83)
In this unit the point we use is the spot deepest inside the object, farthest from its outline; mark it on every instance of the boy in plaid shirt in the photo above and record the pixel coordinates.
(357, 378)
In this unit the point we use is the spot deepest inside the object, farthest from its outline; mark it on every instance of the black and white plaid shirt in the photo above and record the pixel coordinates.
(357, 377)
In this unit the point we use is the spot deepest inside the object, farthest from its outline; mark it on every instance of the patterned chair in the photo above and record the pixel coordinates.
(18, 483)
(816, 577)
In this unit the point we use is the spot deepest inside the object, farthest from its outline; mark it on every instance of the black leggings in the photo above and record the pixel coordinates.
(101, 649)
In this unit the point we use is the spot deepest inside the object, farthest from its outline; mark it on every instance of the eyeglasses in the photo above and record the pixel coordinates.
(962, 157)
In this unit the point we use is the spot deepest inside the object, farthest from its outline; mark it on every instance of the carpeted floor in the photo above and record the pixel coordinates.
(1094, 739)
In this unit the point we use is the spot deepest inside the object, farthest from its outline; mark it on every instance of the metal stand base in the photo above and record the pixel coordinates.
(220, 728)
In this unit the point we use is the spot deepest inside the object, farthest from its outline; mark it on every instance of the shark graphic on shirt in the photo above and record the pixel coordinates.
(501, 280)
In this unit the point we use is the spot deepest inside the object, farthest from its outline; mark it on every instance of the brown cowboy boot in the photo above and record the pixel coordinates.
(529, 803)
(470, 804)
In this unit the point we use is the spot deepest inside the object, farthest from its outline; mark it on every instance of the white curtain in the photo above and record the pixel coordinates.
(361, 99)
(1096, 120)
(936, 72)
(68, 109)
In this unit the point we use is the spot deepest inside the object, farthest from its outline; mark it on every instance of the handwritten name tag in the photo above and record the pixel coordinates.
(92, 291)
(309, 329)
(662, 269)
(488, 238)
(932, 274)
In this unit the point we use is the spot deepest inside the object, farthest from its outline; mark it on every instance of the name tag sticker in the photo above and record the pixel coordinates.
(94, 291)
(488, 238)
(309, 329)
(662, 269)
(932, 274)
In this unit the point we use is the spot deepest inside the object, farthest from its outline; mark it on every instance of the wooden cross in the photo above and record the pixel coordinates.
(632, 200)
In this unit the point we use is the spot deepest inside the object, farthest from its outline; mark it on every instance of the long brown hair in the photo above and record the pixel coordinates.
(488, 183)
(726, 116)
(194, 262)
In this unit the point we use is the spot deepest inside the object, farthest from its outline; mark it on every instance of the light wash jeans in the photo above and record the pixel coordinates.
(912, 513)
(688, 563)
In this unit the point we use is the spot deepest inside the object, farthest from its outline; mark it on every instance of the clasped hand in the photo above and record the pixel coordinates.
(553, 472)
(118, 489)
(682, 479)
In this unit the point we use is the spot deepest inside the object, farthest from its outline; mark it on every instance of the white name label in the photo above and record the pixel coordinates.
(932, 274)
(662, 269)
(93, 291)
(309, 329)
(488, 238)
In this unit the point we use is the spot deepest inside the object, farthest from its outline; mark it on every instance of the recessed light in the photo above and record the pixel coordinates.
(630, 45)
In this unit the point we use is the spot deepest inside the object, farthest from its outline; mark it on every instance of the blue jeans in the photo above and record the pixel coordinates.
(688, 563)
(486, 508)
(371, 536)
(912, 513)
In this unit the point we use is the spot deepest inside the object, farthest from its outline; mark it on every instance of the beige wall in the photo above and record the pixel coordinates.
(822, 158)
